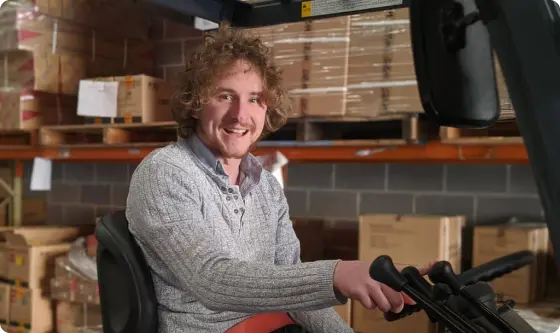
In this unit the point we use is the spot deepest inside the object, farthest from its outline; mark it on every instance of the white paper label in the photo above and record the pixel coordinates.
(41, 174)
(98, 99)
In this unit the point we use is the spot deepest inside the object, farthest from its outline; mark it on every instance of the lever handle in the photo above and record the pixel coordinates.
(497, 267)
(443, 273)
(415, 279)
(383, 270)
(406, 311)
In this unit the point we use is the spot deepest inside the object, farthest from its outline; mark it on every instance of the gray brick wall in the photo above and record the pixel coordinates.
(483, 193)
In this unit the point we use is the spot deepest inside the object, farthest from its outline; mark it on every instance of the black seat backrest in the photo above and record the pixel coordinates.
(126, 291)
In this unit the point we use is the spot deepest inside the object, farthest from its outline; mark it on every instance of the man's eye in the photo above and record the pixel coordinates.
(226, 97)
(254, 100)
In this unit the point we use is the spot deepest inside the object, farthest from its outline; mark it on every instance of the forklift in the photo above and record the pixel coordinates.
(453, 43)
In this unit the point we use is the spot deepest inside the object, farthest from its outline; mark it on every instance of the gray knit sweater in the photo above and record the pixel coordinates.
(219, 253)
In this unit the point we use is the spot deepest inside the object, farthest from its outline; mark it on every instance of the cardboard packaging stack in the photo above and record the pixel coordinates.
(381, 75)
(313, 57)
(139, 99)
(410, 240)
(526, 285)
(48, 46)
(26, 267)
(78, 308)
(357, 66)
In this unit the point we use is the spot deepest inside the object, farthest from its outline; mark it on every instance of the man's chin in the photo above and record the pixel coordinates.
(234, 153)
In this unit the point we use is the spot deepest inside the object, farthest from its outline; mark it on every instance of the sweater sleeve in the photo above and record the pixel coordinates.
(165, 212)
(288, 253)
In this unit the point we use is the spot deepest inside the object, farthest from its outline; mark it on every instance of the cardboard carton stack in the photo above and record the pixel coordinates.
(48, 46)
(357, 66)
(28, 254)
(410, 240)
(381, 75)
(139, 99)
(313, 56)
(526, 285)
(77, 299)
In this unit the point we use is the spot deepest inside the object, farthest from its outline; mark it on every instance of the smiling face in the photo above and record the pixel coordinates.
(233, 118)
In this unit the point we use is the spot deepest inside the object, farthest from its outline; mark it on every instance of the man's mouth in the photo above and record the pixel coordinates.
(236, 131)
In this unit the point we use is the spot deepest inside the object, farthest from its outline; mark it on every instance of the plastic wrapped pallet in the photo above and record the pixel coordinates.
(313, 56)
(116, 17)
(46, 53)
(381, 75)
(28, 109)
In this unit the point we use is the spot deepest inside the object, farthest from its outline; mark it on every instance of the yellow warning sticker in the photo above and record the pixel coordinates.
(306, 9)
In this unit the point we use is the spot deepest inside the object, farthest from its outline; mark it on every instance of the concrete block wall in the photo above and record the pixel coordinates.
(338, 192)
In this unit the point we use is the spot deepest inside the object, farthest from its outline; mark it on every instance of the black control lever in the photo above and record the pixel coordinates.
(485, 272)
(497, 267)
(442, 272)
(440, 294)
(383, 270)
(416, 281)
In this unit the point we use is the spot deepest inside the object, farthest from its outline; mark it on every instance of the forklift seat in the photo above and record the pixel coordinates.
(126, 290)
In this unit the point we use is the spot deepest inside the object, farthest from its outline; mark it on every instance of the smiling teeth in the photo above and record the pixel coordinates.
(236, 130)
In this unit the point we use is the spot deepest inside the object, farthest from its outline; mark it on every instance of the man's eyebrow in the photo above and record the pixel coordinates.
(224, 89)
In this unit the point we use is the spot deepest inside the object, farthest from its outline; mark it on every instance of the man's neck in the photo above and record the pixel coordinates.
(231, 167)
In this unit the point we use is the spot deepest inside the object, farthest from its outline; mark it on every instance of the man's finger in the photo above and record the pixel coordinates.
(426, 269)
(407, 299)
(395, 298)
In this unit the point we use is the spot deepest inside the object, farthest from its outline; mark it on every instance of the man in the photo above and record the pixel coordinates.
(214, 226)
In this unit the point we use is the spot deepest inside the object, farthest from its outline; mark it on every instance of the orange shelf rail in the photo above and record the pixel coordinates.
(433, 152)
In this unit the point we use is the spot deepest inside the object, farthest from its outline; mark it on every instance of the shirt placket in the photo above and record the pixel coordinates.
(235, 205)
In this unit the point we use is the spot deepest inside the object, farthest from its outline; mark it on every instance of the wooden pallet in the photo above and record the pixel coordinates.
(18, 138)
(129, 135)
(389, 130)
(503, 132)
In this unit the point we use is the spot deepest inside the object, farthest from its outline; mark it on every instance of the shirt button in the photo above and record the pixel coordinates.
(235, 197)
(236, 211)
(228, 198)
(223, 189)
(230, 190)
(242, 210)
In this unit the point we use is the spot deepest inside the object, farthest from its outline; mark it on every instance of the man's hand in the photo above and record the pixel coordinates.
(351, 279)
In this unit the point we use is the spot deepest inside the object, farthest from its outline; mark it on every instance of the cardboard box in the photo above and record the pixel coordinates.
(31, 308)
(410, 240)
(5, 290)
(32, 251)
(313, 56)
(64, 37)
(70, 285)
(381, 73)
(43, 71)
(25, 109)
(106, 17)
(71, 317)
(525, 285)
(142, 97)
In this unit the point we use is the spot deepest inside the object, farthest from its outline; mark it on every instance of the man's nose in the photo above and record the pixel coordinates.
(240, 110)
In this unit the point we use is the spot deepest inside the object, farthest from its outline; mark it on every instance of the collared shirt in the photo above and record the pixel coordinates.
(219, 253)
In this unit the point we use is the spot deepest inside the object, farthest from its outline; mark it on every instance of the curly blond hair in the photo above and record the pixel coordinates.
(207, 63)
